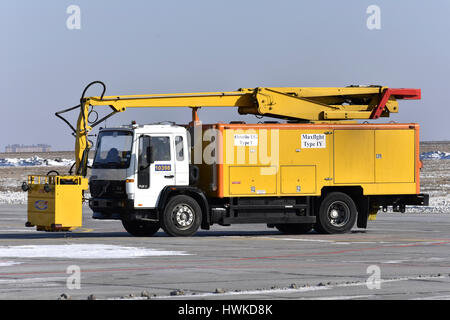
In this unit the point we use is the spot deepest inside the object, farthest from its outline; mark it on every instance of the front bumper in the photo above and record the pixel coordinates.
(120, 209)
(109, 207)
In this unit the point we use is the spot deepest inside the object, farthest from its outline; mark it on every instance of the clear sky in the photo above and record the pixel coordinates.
(142, 47)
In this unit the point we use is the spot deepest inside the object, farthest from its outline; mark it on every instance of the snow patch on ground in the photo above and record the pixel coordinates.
(438, 204)
(13, 197)
(35, 162)
(82, 251)
(434, 155)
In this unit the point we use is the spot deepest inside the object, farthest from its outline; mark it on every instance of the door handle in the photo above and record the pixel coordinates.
(169, 177)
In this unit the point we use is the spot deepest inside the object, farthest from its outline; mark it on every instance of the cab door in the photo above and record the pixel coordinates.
(156, 168)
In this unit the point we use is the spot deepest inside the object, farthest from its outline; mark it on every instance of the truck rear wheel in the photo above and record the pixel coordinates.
(337, 214)
(294, 228)
(182, 216)
(141, 228)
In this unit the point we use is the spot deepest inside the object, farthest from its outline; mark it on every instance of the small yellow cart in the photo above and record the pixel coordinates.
(55, 202)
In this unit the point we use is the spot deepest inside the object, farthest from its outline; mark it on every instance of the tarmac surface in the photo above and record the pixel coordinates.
(399, 256)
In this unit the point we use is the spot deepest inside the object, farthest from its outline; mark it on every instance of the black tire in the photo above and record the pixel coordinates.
(337, 214)
(141, 228)
(294, 228)
(182, 216)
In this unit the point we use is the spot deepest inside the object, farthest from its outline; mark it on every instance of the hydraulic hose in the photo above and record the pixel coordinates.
(83, 163)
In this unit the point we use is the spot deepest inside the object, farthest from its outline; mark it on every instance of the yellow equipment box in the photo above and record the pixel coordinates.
(55, 202)
(301, 159)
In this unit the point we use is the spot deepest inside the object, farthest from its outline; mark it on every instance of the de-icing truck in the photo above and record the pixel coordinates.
(313, 168)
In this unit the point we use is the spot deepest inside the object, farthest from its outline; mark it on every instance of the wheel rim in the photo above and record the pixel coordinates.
(183, 216)
(338, 214)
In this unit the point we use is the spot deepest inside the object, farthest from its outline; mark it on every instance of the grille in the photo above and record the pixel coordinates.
(107, 189)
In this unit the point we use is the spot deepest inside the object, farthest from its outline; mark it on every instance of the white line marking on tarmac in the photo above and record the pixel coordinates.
(301, 239)
(325, 241)
(407, 230)
(8, 263)
(341, 297)
(394, 261)
(434, 298)
(32, 280)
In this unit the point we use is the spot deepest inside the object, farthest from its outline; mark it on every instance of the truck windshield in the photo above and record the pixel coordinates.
(113, 149)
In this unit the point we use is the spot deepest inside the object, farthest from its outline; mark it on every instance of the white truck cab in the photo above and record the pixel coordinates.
(132, 166)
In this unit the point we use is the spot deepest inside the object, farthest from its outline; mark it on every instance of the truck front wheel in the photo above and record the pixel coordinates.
(182, 216)
(140, 228)
(337, 214)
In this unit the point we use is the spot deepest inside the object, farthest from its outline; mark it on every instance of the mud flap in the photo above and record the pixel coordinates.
(363, 212)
